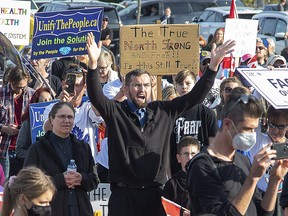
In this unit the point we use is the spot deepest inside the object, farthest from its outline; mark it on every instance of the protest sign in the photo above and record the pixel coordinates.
(13, 17)
(64, 33)
(99, 198)
(159, 49)
(37, 119)
(272, 85)
(244, 32)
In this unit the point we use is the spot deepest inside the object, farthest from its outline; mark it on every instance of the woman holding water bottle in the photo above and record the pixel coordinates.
(68, 161)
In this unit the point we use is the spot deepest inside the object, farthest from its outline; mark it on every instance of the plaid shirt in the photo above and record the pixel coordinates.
(7, 113)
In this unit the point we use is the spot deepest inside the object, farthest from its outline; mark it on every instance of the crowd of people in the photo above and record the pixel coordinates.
(210, 153)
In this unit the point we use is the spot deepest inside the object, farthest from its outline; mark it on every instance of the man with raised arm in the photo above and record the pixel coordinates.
(139, 132)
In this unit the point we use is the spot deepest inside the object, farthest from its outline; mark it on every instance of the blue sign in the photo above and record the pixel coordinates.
(64, 33)
(37, 118)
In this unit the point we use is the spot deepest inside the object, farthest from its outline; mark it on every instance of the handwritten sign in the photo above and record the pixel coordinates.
(99, 198)
(37, 118)
(15, 15)
(159, 49)
(244, 32)
(272, 85)
(64, 33)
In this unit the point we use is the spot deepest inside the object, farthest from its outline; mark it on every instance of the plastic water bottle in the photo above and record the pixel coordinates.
(72, 166)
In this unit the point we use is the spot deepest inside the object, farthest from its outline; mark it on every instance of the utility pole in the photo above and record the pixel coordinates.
(139, 12)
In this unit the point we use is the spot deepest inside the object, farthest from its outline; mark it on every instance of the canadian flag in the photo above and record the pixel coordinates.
(171, 208)
(233, 10)
(253, 63)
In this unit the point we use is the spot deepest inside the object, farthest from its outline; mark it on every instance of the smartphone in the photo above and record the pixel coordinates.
(281, 149)
(70, 81)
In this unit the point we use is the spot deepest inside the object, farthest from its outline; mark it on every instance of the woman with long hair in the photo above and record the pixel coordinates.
(29, 193)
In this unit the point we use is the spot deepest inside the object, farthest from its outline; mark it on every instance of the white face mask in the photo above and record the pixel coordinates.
(243, 141)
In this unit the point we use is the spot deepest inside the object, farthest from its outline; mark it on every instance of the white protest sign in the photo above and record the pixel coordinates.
(99, 198)
(244, 32)
(271, 84)
(15, 21)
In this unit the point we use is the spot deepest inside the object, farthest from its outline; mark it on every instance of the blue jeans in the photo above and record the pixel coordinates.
(5, 165)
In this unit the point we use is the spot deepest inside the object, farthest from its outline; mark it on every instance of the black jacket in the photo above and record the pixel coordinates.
(42, 154)
(140, 155)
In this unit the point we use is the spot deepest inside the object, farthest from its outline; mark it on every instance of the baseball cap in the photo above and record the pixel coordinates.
(204, 55)
(105, 17)
(272, 59)
(246, 57)
(263, 41)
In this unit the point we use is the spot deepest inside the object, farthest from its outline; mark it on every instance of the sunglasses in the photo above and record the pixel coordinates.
(260, 47)
(279, 127)
(105, 20)
(228, 90)
(206, 62)
(244, 99)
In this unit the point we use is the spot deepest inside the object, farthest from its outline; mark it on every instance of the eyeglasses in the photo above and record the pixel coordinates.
(103, 68)
(279, 127)
(228, 90)
(260, 47)
(138, 85)
(187, 154)
(244, 98)
(64, 117)
(105, 20)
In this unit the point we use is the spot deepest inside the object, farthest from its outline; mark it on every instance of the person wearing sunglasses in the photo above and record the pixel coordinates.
(277, 120)
(138, 132)
(226, 86)
(226, 181)
(261, 52)
(205, 57)
(106, 33)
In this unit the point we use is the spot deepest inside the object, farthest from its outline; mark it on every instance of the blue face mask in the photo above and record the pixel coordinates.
(37, 210)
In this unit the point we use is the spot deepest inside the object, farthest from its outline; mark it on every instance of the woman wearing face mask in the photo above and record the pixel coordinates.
(277, 127)
(54, 151)
(28, 194)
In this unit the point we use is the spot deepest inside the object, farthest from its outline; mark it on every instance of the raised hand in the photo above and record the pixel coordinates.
(93, 50)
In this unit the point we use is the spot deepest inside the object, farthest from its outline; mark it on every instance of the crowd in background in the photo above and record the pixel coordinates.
(144, 146)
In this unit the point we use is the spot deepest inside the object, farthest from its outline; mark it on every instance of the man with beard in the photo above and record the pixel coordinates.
(14, 97)
(139, 132)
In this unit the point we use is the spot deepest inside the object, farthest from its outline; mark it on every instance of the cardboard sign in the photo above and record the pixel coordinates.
(271, 84)
(244, 32)
(37, 119)
(15, 21)
(99, 198)
(64, 33)
(159, 49)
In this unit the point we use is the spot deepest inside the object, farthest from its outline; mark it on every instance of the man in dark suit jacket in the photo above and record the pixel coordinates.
(167, 18)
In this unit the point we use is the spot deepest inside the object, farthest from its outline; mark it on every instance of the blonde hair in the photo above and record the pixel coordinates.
(31, 182)
(106, 56)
